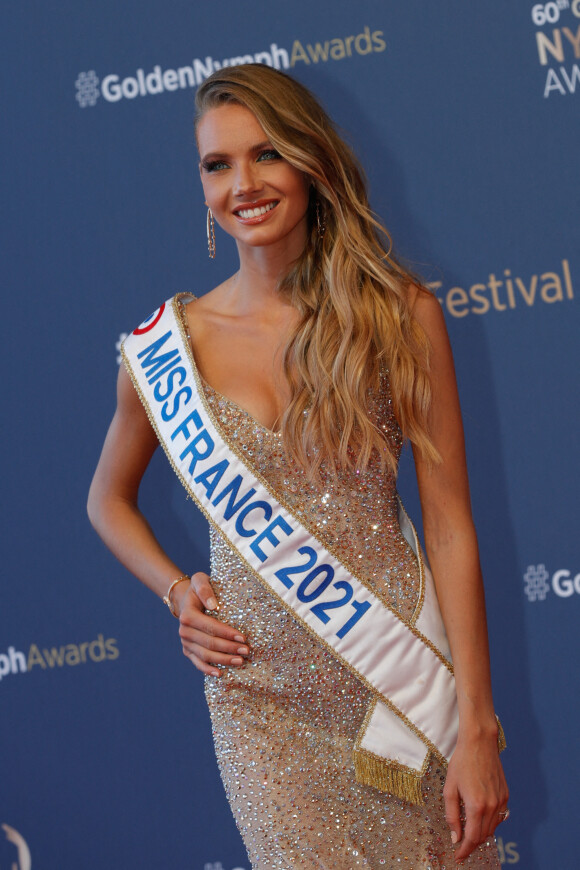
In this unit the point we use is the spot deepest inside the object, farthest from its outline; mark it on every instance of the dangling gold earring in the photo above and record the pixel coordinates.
(210, 234)
(320, 221)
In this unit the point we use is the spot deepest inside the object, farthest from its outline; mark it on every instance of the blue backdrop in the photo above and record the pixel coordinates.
(466, 118)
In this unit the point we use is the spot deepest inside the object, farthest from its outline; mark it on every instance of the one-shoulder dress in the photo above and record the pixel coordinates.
(284, 725)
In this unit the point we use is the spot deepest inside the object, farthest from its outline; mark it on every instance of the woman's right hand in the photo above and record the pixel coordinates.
(205, 640)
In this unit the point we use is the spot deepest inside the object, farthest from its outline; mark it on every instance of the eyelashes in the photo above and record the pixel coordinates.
(269, 154)
(213, 165)
(218, 165)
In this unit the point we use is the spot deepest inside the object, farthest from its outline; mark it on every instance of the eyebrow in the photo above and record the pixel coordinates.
(221, 155)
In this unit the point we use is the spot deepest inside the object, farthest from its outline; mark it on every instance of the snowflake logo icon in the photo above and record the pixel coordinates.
(122, 337)
(536, 578)
(87, 85)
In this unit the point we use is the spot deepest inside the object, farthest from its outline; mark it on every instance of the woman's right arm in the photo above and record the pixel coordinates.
(114, 513)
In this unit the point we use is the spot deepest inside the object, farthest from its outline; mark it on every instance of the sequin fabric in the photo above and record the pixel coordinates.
(284, 724)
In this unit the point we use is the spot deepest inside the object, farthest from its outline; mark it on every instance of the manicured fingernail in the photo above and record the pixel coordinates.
(212, 604)
(216, 673)
(454, 837)
(239, 638)
(243, 650)
(237, 661)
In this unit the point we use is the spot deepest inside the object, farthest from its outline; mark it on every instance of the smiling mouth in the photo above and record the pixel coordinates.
(258, 211)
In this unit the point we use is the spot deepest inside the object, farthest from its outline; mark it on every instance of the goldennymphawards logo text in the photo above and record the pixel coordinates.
(539, 583)
(114, 87)
(558, 44)
(18, 661)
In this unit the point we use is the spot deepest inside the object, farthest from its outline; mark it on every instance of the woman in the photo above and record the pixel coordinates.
(305, 371)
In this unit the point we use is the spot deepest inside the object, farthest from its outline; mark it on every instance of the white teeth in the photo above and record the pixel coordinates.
(256, 212)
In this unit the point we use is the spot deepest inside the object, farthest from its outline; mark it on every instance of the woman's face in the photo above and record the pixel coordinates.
(255, 195)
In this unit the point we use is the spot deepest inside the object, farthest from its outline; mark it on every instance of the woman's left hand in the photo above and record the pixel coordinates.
(475, 779)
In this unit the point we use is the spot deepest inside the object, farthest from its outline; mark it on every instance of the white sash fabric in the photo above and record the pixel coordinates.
(407, 667)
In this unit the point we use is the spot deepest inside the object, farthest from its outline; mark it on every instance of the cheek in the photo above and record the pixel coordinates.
(300, 189)
(212, 191)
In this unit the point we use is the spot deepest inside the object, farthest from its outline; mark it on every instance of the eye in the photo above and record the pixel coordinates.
(214, 165)
(269, 154)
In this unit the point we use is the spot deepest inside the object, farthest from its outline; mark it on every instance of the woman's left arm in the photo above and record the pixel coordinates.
(475, 776)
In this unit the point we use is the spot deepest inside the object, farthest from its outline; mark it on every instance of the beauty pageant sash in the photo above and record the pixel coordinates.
(413, 714)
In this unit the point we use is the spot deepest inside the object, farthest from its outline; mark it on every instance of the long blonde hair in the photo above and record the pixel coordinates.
(352, 294)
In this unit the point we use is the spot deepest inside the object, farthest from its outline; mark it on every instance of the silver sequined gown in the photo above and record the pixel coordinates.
(284, 725)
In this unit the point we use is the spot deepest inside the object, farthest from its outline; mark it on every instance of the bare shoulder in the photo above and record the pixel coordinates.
(127, 397)
(427, 311)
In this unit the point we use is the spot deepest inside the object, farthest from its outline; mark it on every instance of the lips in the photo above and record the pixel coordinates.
(255, 213)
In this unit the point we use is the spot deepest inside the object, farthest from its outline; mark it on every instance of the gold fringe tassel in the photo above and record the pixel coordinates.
(374, 771)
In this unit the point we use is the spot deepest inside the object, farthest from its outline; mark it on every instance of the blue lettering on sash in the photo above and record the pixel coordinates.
(183, 396)
(167, 414)
(193, 448)
(255, 505)
(209, 479)
(183, 428)
(311, 589)
(268, 535)
(232, 489)
(161, 395)
(170, 365)
(150, 363)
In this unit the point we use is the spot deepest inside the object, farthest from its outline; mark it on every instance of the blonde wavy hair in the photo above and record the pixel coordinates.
(352, 294)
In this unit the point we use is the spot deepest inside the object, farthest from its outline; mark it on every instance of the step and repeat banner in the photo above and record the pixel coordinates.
(466, 118)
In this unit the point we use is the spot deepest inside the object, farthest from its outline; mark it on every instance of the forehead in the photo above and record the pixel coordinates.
(228, 127)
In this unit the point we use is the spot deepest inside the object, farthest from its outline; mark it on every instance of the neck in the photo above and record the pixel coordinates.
(254, 287)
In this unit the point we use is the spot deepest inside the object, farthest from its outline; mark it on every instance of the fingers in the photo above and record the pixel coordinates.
(209, 652)
(191, 620)
(453, 812)
(202, 588)
(206, 653)
(491, 812)
(194, 600)
(209, 668)
(211, 648)
(481, 821)
(498, 814)
(206, 641)
(472, 833)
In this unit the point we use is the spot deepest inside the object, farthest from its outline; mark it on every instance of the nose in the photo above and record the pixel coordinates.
(247, 180)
